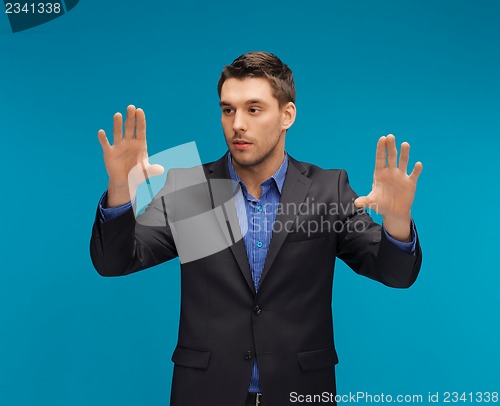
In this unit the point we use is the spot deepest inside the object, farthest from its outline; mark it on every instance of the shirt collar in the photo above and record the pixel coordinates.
(278, 176)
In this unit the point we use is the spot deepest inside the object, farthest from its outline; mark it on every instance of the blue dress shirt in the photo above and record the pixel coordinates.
(261, 214)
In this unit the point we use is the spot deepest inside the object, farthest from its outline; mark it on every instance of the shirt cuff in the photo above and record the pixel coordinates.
(110, 213)
(408, 247)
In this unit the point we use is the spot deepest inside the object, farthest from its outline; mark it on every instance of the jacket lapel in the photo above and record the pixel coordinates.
(215, 171)
(293, 193)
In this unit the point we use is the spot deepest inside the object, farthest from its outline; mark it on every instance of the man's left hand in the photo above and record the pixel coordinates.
(393, 190)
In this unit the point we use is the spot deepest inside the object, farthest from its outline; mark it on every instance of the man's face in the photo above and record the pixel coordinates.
(252, 120)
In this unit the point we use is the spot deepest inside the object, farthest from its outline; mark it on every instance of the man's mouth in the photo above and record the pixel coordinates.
(241, 144)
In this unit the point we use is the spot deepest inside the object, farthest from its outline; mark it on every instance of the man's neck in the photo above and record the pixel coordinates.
(253, 176)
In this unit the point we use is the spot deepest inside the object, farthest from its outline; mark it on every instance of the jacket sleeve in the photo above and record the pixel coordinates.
(366, 249)
(124, 244)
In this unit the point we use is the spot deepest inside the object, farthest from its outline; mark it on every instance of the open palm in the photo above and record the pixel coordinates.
(127, 159)
(393, 190)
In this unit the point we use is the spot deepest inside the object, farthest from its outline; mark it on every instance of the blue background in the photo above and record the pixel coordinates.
(426, 71)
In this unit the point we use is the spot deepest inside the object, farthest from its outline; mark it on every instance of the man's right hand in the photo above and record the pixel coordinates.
(127, 159)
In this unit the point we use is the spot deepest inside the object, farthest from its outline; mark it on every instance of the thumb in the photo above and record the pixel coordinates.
(143, 171)
(155, 170)
(362, 201)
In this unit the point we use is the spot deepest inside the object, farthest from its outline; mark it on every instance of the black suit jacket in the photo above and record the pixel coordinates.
(288, 324)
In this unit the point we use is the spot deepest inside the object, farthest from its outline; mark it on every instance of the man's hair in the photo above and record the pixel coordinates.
(262, 65)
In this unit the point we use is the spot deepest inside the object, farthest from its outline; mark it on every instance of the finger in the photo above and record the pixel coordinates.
(140, 120)
(380, 155)
(103, 140)
(417, 170)
(148, 171)
(362, 201)
(130, 122)
(392, 152)
(403, 157)
(155, 170)
(366, 202)
(117, 128)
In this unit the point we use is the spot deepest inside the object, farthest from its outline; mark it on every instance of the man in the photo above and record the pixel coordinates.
(256, 322)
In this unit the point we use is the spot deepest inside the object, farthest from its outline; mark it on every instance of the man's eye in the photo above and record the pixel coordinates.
(227, 111)
(254, 110)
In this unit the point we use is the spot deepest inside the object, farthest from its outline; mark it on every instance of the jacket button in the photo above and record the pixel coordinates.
(248, 355)
(257, 310)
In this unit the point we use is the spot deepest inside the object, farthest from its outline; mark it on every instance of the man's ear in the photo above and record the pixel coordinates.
(289, 112)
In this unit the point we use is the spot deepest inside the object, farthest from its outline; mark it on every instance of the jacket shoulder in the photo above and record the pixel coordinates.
(315, 172)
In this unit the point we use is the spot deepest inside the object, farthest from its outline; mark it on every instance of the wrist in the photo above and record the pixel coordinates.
(119, 193)
(398, 228)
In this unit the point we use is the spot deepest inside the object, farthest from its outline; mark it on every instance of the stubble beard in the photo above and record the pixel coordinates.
(259, 159)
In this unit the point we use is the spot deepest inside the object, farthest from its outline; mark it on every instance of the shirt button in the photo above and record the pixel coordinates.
(259, 207)
(248, 355)
(259, 244)
(257, 310)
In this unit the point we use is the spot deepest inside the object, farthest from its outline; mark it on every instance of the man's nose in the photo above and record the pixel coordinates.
(239, 123)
